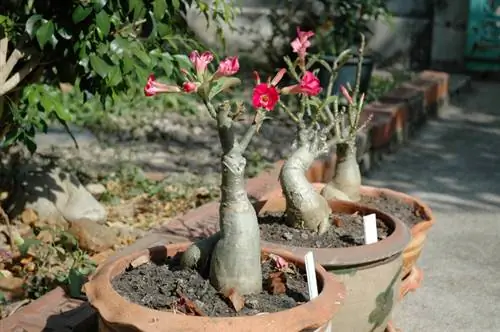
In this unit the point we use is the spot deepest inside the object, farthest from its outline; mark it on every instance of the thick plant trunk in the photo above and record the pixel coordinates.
(233, 254)
(346, 183)
(305, 208)
(236, 257)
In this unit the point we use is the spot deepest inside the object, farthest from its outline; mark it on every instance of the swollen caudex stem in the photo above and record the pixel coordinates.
(305, 208)
(232, 255)
(346, 181)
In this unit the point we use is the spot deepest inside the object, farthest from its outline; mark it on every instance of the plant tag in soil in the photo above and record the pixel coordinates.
(311, 275)
(370, 227)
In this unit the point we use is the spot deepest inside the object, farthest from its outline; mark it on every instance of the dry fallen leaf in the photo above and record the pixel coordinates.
(279, 261)
(139, 261)
(276, 283)
(338, 222)
(236, 299)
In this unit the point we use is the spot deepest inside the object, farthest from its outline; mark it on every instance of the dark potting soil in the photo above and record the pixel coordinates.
(407, 213)
(347, 231)
(166, 286)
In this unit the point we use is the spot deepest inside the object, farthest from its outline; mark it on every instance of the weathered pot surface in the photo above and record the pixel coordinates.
(118, 314)
(371, 273)
(394, 244)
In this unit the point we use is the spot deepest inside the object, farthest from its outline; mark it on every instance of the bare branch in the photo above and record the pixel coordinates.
(14, 58)
(4, 48)
(15, 79)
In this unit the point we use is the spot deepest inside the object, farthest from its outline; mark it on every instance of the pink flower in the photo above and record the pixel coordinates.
(200, 62)
(301, 43)
(153, 87)
(309, 85)
(189, 87)
(344, 91)
(265, 96)
(228, 67)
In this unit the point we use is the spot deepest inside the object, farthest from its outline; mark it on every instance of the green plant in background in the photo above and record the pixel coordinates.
(50, 258)
(337, 23)
(104, 48)
(342, 21)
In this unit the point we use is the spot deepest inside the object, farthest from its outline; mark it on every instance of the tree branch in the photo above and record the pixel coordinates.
(15, 79)
(4, 48)
(14, 58)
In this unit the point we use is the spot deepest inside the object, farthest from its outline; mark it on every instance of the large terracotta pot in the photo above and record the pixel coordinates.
(116, 314)
(371, 273)
(321, 171)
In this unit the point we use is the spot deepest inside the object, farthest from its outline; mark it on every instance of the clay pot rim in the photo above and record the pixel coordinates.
(369, 254)
(420, 226)
(113, 308)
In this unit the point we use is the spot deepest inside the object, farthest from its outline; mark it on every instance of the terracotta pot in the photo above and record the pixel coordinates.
(323, 170)
(371, 273)
(117, 314)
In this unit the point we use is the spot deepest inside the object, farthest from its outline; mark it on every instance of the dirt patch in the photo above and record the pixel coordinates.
(166, 286)
(347, 231)
(407, 213)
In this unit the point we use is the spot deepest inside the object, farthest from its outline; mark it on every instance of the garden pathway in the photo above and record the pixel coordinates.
(455, 166)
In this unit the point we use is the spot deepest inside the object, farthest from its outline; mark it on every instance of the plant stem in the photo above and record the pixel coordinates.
(305, 208)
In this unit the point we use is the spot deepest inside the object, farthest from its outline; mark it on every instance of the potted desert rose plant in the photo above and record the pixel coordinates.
(226, 282)
(302, 216)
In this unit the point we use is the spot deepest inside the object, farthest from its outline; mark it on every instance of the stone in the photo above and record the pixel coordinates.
(54, 195)
(12, 287)
(92, 236)
(96, 189)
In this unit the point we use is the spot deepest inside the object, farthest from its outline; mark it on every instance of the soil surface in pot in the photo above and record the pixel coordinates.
(166, 286)
(346, 231)
(407, 213)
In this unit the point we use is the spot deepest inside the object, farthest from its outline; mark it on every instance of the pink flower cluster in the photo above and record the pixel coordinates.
(227, 67)
(265, 95)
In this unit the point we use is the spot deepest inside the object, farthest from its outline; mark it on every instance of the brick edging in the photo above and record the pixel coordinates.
(397, 116)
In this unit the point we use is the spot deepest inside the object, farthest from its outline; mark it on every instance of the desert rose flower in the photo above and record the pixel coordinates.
(228, 67)
(266, 95)
(309, 85)
(346, 94)
(200, 61)
(154, 87)
(189, 87)
(302, 43)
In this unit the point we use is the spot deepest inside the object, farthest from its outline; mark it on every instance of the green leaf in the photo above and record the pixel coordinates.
(75, 282)
(103, 23)
(100, 66)
(119, 45)
(31, 23)
(159, 8)
(28, 243)
(176, 4)
(62, 112)
(222, 84)
(183, 61)
(81, 13)
(99, 4)
(115, 76)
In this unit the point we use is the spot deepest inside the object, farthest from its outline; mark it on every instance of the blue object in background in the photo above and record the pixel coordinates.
(482, 52)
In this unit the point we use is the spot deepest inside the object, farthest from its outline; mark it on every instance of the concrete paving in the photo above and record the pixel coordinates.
(454, 165)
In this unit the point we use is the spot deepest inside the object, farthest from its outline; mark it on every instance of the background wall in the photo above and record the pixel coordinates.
(423, 33)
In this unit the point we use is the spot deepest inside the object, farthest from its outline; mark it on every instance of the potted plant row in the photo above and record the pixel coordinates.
(233, 279)
(228, 282)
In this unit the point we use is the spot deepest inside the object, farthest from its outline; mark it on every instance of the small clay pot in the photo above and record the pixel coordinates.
(116, 314)
(323, 170)
(371, 273)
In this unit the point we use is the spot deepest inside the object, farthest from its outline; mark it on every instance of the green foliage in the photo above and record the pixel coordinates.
(52, 258)
(337, 24)
(103, 47)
